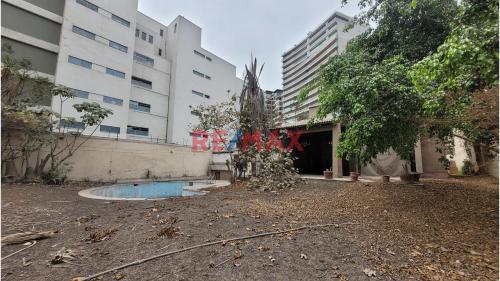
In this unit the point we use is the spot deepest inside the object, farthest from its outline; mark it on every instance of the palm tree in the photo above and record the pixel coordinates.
(252, 101)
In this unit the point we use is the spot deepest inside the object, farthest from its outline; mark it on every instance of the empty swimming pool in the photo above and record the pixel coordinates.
(145, 191)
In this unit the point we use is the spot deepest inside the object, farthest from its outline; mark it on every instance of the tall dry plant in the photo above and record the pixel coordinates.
(252, 101)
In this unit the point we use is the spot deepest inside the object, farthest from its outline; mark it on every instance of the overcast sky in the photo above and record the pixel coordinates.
(233, 29)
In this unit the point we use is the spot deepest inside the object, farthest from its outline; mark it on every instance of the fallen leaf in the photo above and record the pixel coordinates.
(119, 276)
(390, 252)
(238, 254)
(370, 272)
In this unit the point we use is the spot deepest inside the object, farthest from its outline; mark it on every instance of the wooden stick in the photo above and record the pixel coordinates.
(195, 247)
(18, 251)
(18, 238)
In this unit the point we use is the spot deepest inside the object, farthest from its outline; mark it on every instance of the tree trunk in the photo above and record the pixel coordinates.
(479, 158)
(11, 170)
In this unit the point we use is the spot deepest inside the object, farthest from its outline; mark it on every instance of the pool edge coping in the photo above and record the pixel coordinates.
(86, 192)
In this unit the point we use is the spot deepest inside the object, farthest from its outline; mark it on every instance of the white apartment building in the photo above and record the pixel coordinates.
(302, 62)
(198, 77)
(147, 73)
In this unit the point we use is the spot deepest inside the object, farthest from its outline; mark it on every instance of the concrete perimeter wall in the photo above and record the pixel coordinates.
(105, 159)
(108, 160)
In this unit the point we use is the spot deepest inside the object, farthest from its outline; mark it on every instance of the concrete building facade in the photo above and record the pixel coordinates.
(274, 104)
(147, 73)
(302, 62)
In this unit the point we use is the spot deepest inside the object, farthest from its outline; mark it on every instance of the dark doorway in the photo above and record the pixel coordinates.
(317, 154)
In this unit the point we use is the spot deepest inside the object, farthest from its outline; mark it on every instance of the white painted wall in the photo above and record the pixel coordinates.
(96, 80)
(171, 75)
(159, 74)
(182, 41)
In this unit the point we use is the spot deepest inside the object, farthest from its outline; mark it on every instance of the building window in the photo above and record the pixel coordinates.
(159, 52)
(140, 131)
(109, 129)
(198, 73)
(200, 94)
(120, 20)
(195, 113)
(88, 5)
(175, 27)
(161, 32)
(202, 55)
(142, 82)
(71, 124)
(139, 106)
(143, 59)
(116, 73)
(151, 39)
(83, 32)
(112, 100)
(80, 93)
(199, 54)
(118, 46)
(137, 33)
(201, 75)
(80, 62)
(143, 36)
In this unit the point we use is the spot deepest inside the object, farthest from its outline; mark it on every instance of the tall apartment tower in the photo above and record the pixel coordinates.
(274, 104)
(302, 62)
(147, 73)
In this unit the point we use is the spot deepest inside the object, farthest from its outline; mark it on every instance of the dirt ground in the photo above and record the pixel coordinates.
(444, 230)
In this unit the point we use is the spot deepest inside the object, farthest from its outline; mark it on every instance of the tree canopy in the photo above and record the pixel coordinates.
(459, 81)
(367, 88)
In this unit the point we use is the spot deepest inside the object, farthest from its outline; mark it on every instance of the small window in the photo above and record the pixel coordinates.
(83, 32)
(151, 39)
(80, 62)
(120, 20)
(112, 100)
(161, 32)
(199, 54)
(116, 73)
(159, 52)
(200, 94)
(88, 5)
(137, 33)
(81, 94)
(140, 131)
(71, 124)
(139, 106)
(143, 59)
(118, 46)
(198, 73)
(209, 58)
(197, 93)
(143, 36)
(195, 113)
(175, 27)
(208, 77)
(142, 82)
(109, 129)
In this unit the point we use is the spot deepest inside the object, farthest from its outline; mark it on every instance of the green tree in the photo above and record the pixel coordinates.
(459, 82)
(30, 129)
(367, 88)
